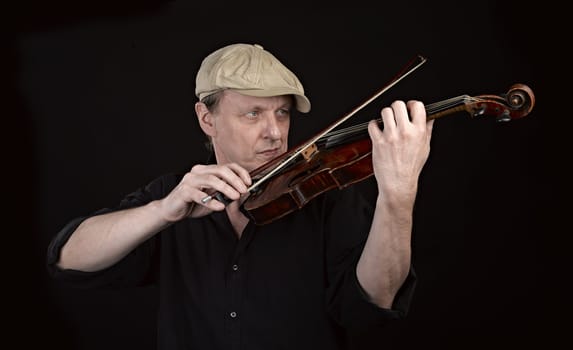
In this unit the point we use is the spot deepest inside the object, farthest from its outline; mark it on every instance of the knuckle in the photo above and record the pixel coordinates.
(398, 104)
(198, 167)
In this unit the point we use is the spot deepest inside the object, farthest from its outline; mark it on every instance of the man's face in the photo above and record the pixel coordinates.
(250, 130)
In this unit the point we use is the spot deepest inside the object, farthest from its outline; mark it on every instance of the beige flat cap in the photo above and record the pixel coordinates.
(249, 70)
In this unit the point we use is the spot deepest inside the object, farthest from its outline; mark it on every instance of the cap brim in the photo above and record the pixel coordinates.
(302, 102)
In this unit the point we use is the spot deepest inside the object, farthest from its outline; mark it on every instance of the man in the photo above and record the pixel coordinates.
(333, 268)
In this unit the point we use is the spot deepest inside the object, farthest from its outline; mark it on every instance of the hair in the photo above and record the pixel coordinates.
(211, 102)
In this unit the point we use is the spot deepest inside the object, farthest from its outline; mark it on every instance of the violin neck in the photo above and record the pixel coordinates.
(447, 107)
(355, 132)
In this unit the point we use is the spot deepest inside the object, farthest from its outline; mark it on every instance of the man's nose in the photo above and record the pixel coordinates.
(272, 128)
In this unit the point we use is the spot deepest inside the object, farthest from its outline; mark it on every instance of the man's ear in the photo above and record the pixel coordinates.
(205, 117)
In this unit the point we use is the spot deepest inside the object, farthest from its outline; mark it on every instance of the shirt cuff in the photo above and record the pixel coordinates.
(360, 314)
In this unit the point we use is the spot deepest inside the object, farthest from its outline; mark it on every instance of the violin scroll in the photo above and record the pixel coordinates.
(516, 103)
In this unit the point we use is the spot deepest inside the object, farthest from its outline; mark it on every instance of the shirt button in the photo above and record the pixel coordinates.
(233, 314)
(235, 267)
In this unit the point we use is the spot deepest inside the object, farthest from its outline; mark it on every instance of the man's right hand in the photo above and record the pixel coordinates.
(184, 201)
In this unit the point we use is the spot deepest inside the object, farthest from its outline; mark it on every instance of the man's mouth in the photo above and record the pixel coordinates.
(270, 152)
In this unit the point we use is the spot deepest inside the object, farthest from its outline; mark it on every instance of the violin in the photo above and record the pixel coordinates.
(338, 159)
(344, 157)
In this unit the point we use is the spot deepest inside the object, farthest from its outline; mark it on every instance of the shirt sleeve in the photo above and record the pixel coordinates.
(350, 218)
(135, 269)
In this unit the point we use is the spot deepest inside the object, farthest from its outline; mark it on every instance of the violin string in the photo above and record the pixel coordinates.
(334, 136)
(410, 67)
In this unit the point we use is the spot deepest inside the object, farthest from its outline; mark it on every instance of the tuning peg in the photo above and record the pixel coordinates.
(479, 111)
(504, 117)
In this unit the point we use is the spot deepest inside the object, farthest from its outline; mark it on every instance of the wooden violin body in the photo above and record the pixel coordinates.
(342, 158)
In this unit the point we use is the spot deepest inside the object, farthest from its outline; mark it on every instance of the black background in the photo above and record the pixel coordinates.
(99, 100)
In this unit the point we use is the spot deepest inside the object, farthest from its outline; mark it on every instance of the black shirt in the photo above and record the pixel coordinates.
(290, 284)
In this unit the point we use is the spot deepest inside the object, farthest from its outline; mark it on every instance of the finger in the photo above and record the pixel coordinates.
(227, 173)
(242, 173)
(400, 114)
(202, 182)
(194, 187)
(374, 130)
(388, 119)
(183, 200)
(417, 113)
(213, 183)
(231, 174)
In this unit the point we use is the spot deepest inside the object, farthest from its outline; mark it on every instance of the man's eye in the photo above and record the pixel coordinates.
(252, 114)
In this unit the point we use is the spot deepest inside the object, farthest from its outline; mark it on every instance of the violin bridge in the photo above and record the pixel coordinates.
(309, 151)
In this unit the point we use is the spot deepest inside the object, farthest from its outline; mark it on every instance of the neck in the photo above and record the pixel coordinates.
(237, 218)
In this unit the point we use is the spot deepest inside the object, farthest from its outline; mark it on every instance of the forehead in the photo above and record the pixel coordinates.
(236, 98)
